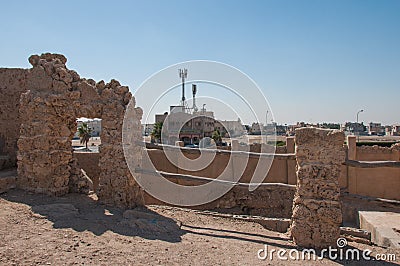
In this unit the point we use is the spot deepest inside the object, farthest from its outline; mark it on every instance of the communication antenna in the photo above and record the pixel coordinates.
(194, 91)
(183, 76)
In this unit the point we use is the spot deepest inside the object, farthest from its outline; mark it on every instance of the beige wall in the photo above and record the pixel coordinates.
(379, 182)
(282, 170)
(279, 172)
(376, 153)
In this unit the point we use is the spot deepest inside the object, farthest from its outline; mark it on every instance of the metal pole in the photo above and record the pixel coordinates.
(358, 133)
(183, 75)
(204, 111)
(183, 89)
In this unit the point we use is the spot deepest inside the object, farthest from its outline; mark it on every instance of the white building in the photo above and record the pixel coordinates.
(234, 128)
(256, 128)
(396, 130)
(375, 129)
(94, 124)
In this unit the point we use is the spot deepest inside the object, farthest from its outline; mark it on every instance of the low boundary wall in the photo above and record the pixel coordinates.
(375, 175)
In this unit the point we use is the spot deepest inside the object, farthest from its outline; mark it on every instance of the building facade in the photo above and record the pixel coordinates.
(192, 127)
(375, 129)
(93, 124)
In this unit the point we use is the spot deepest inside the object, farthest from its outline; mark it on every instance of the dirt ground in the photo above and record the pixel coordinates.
(76, 229)
(95, 141)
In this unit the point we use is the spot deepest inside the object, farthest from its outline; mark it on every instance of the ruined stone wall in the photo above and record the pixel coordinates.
(55, 97)
(377, 153)
(317, 216)
(12, 84)
(117, 186)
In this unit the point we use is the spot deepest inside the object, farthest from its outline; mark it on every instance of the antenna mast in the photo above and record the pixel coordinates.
(194, 91)
(183, 76)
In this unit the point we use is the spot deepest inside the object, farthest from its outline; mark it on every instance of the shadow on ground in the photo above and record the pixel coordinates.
(84, 213)
(349, 255)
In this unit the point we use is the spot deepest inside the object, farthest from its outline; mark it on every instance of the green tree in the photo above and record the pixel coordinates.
(216, 136)
(330, 125)
(84, 132)
(156, 133)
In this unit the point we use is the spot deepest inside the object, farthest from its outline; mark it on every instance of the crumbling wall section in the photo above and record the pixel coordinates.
(56, 96)
(48, 122)
(377, 153)
(12, 84)
(117, 186)
(317, 215)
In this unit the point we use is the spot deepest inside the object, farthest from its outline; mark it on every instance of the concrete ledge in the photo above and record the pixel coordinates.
(384, 227)
(356, 235)
(372, 164)
(360, 233)
(278, 156)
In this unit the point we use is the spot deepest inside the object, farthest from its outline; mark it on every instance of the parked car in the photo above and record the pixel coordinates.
(192, 146)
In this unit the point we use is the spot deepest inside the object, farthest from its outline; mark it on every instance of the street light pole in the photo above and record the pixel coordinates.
(358, 133)
(202, 120)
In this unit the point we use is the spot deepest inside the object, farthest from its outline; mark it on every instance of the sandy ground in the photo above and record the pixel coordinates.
(92, 142)
(76, 229)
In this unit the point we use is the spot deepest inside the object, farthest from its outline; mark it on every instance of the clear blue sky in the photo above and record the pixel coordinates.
(314, 60)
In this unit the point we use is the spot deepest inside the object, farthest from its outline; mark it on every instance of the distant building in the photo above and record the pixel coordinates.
(292, 128)
(388, 130)
(274, 128)
(281, 130)
(375, 129)
(94, 124)
(355, 128)
(329, 125)
(256, 128)
(270, 129)
(161, 118)
(229, 128)
(396, 130)
(186, 127)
